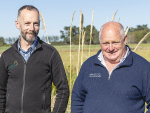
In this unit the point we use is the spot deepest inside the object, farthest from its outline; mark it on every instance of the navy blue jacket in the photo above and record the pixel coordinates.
(126, 91)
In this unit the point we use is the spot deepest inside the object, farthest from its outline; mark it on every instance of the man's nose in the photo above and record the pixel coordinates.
(31, 27)
(111, 47)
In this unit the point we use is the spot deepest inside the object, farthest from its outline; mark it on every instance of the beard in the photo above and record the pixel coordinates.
(28, 39)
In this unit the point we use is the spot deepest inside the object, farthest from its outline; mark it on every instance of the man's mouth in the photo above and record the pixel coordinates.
(111, 52)
(31, 34)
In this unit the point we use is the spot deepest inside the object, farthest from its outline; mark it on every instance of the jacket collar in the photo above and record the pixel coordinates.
(127, 62)
(39, 44)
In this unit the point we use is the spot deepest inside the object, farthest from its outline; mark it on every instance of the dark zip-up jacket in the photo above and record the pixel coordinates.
(25, 87)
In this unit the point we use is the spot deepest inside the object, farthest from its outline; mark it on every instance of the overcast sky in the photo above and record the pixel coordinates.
(58, 13)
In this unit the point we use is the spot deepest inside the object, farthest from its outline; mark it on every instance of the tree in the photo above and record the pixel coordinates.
(140, 34)
(55, 38)
(65, 35)
(10, 40)
(95, 35)
(2, 41)
(136, 34)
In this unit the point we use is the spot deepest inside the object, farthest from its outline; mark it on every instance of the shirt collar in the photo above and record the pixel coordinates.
(33, 46)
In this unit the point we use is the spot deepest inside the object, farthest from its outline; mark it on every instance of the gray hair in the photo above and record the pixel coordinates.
(121, 32)
(28, 7)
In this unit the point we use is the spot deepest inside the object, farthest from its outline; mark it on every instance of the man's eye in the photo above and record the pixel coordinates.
(26, 23)
(36, 24)
(115, 43)
(105, 44)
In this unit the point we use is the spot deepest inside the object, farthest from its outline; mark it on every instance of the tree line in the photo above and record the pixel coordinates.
(134, 36)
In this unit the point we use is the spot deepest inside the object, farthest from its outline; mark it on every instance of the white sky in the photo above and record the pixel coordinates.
(58, 13)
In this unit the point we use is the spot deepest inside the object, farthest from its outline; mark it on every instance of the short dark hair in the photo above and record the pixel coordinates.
(28, 7)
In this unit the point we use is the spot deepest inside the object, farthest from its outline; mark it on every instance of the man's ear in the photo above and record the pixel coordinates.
(39, 23)
(17, 24)
(125, 39)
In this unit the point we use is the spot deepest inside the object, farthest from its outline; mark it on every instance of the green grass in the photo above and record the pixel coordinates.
(141, 45)
(2, 49)
(63, 48)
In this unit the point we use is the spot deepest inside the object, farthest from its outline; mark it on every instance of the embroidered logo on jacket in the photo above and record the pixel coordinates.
(95, 75)
(13, 65)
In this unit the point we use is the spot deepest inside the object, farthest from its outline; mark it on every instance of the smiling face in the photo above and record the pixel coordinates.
(28, 24)
(112, 43)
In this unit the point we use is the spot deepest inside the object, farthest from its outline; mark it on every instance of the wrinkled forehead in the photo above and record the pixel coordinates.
(111, 27)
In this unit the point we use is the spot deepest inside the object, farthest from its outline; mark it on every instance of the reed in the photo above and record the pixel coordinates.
(91, 32)
(141, 41)
(53, 102)
(44, 26)
(83, 36)
(82, 28)
(114, 16)
(118, 19)
(80, 25)
(126, 32)
(70, 51)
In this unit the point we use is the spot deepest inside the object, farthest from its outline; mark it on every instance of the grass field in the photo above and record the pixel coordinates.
(64, 50)
(143, 50)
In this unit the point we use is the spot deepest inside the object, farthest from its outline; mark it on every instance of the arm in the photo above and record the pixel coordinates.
(60, 81)
(148, 93)
(3, 83)
(148, 99)
(78, 94)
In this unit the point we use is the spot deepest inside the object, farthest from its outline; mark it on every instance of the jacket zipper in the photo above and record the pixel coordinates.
(109, 77)
(24, 74)
(109, 74)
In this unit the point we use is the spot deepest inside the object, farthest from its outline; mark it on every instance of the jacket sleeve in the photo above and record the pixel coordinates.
(3, 83)
(78, 93)
(60, 81)
(148, 93)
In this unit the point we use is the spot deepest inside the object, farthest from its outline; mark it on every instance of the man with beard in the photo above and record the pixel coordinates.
(28, 68)
(115, 80)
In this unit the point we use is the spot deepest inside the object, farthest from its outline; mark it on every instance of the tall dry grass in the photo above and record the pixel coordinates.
(80, 26)
(70, 49)
(44, 26)
(114, 16)
(82, 33)
(83, 36)
(91, 32)
(126, 32)
(118, 19)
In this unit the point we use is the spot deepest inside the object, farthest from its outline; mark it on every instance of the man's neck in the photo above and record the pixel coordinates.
(24, 44)
(110, 65)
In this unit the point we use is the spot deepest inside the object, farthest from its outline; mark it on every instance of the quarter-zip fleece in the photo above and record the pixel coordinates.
(126, 91)
(25, 87)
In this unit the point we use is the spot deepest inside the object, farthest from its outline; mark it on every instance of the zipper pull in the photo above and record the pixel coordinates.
(109, 78)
